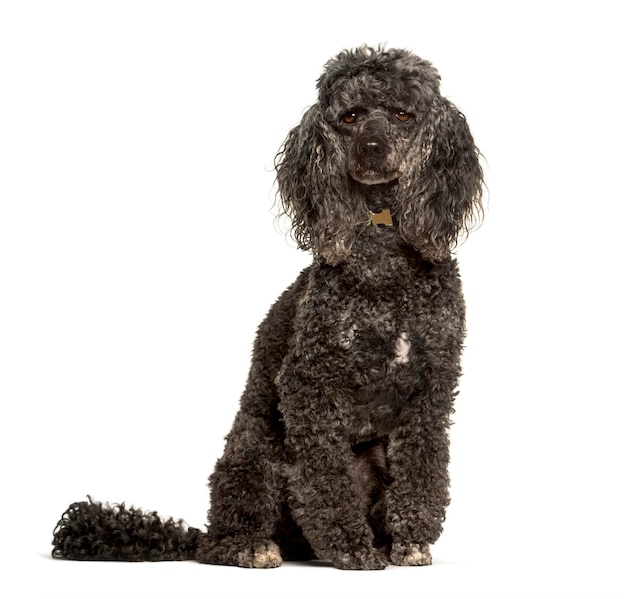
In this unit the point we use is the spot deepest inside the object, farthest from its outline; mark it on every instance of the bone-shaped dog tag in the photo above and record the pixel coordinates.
(383, 218)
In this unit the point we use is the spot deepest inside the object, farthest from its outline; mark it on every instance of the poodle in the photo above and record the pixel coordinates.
(339, 451)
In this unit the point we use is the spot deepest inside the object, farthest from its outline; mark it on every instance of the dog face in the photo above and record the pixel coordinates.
(378, 124)
(376, 142)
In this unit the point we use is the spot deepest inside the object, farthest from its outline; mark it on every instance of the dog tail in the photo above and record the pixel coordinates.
(90, 530)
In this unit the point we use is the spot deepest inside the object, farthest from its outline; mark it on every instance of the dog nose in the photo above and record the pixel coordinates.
(371, 148)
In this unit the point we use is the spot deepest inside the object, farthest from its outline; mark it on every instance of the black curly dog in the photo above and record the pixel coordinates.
(340, 449)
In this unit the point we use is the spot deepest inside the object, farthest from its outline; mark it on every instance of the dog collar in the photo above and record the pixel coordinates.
(383, 218)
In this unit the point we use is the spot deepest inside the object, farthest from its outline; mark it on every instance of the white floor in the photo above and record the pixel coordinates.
(480, 577)
(533, 556)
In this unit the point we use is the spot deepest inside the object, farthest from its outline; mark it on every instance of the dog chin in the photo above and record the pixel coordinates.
(374, 177)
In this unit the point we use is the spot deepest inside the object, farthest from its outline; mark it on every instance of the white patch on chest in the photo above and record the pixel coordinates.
(403, 345)
(346, 338)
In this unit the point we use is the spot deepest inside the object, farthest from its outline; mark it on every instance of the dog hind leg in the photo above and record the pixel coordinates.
(245, 498)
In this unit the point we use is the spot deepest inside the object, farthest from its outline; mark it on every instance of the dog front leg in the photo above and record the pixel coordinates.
(327, 506)
(323, 493)
(416, 500)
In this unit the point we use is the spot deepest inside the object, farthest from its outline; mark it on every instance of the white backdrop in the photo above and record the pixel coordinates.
(138, 253)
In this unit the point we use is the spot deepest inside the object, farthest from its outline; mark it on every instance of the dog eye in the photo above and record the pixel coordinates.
(350, 117)
(403, 116)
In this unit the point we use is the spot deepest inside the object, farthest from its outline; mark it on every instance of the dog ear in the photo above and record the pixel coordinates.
(442, 195)
(311, 173)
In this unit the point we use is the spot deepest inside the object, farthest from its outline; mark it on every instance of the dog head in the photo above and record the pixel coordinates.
(380, 133)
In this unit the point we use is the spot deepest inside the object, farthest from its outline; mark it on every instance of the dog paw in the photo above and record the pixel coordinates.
(264, 555)
(238, 551)
(259, 555)
(360, 560)
(411, 555)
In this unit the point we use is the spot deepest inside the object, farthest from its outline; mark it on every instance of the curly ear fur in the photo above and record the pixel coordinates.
(312, 179)
(438, 193)
(440, 196)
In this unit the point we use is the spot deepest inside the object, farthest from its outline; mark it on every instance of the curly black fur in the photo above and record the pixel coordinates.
(340, 447)
(90, 530)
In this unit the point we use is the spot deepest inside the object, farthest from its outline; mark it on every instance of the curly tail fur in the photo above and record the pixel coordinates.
(90, 530)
